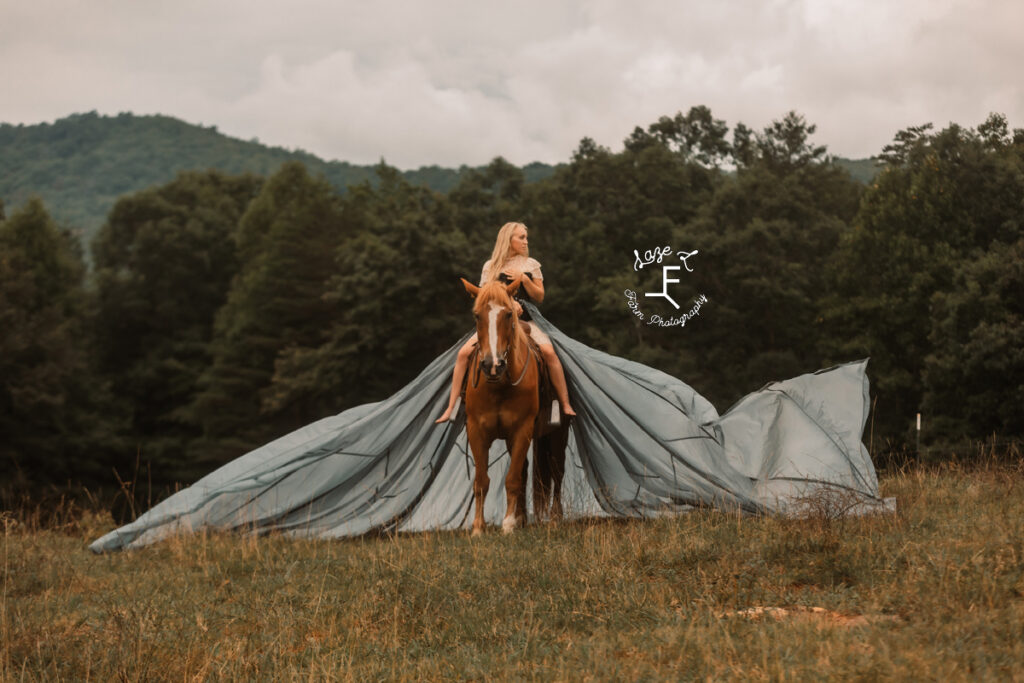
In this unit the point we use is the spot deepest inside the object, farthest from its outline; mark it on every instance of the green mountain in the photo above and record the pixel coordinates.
(81, 164)
(862, 170)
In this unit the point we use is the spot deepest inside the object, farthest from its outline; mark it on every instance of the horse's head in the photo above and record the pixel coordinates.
(497, 327)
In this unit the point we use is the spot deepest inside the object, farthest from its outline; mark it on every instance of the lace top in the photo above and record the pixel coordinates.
(526, 264)
(529, 266)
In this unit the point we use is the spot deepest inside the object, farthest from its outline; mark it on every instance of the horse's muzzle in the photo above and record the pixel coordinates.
(493, 368)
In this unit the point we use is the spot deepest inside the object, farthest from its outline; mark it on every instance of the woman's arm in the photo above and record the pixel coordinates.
(535, 288)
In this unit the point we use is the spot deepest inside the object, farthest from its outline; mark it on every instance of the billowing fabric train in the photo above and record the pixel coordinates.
(643, 444)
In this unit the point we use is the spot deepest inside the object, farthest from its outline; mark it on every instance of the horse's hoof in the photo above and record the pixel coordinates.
(508, 525)
(477, 532)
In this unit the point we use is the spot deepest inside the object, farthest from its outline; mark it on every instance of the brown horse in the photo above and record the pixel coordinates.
(505, 405)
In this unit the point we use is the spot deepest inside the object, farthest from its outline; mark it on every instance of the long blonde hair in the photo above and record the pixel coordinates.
(503, 250)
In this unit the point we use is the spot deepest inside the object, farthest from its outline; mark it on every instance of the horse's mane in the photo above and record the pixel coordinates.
(495, 291)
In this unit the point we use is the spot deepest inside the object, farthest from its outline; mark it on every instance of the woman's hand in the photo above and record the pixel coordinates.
(517, 307)
(534, 288)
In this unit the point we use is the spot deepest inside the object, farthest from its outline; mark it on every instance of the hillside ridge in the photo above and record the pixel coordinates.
(81, 164)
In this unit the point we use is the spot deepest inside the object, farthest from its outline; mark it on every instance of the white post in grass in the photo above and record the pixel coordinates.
(919, 437)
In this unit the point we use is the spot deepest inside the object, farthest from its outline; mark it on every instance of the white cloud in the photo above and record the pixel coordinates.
(452, 82)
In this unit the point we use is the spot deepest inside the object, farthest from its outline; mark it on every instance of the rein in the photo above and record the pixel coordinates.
(526, 364)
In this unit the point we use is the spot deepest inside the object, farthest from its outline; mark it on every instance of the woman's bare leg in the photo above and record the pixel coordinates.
(460, 372)
(557, 377)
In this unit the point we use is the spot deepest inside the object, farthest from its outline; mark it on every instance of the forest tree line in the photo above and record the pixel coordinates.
(226, 310)
(81, 164)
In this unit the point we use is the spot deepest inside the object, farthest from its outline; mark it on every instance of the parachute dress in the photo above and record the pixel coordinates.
(643, 444)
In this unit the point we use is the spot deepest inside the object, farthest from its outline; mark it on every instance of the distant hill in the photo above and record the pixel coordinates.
(81, 164)
(863, 170)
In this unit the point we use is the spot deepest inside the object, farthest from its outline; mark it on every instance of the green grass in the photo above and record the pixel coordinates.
(940, 585)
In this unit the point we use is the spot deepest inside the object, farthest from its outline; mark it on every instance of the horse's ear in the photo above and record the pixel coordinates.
(470, 287)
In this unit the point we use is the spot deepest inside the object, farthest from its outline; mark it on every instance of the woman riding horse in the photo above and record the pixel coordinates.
(510, 262)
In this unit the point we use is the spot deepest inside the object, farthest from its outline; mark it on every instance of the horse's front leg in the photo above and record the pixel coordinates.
(515, 481)
(480, 446)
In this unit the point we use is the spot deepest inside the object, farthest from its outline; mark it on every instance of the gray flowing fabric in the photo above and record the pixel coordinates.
(643, 444)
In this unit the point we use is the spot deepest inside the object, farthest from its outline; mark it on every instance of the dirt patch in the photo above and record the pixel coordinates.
(815, 614)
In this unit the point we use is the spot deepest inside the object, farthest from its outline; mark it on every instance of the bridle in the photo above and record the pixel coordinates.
(504, 359)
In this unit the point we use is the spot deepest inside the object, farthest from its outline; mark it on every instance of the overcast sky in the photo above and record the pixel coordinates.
(450, 82)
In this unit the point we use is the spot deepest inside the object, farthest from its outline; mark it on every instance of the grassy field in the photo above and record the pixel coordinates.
(935, 591)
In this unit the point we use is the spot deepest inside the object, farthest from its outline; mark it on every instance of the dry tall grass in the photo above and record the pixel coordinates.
(934, 591)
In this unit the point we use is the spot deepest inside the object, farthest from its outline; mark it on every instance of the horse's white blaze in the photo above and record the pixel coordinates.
(492, 329)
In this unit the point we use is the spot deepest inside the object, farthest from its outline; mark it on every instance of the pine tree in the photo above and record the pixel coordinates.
(286, 243)
(943, 200)
(164, 261)
(395, 299)
(53, 409)
(762, 238)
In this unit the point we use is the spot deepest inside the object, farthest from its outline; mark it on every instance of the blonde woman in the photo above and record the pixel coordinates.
(510, 262)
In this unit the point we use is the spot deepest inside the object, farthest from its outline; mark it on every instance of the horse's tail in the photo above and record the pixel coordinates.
(549, 445)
